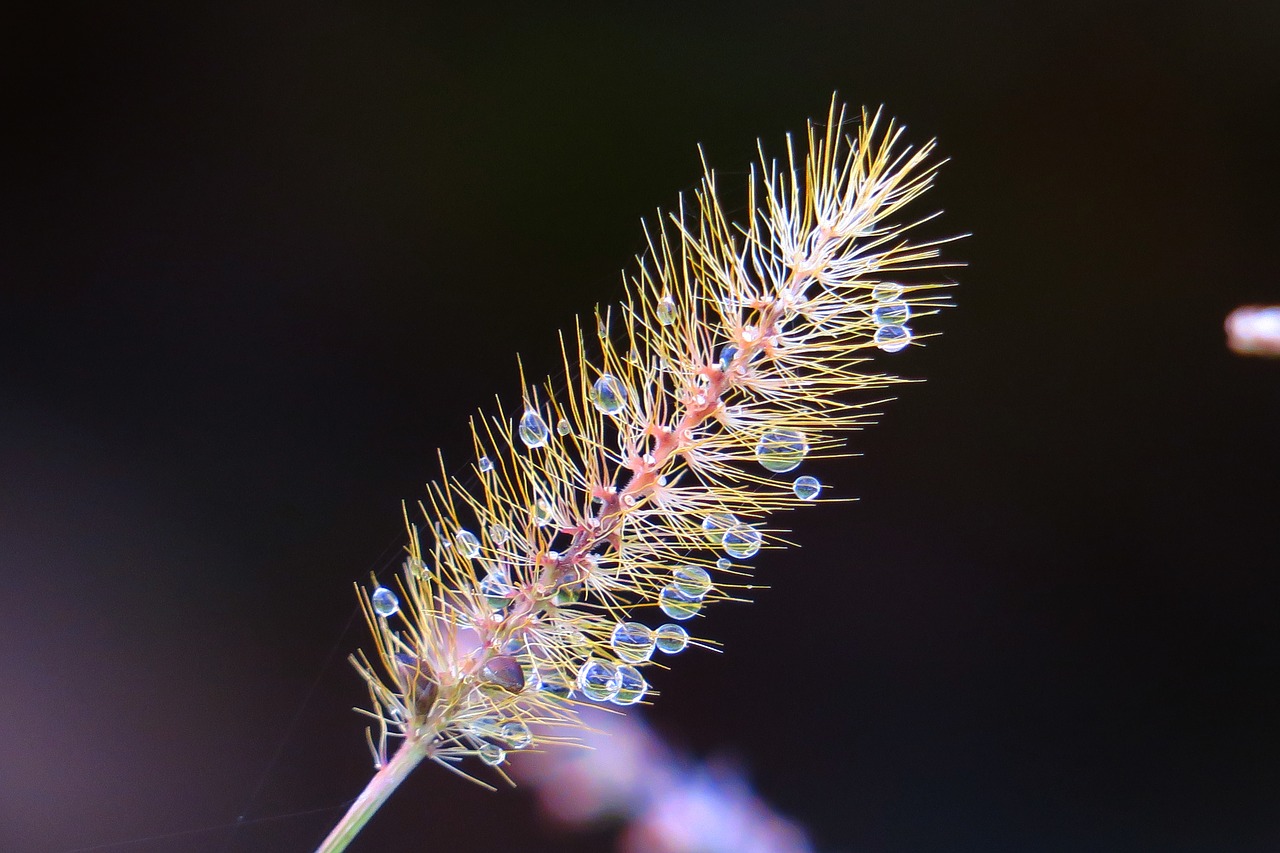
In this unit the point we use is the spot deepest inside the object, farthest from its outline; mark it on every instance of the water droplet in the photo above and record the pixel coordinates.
(516, 734)
(485, 465)
(782, 450)
(468, 544)
(886, 291)
(385, 602)
(491, 754)
(533, 429)
(666, 310)
(741, 542)
(542, 512)
(498, 534)
(497, 589)
(893, 338)
(505, 672)
(671, 639)
(693, 581)
(564, 427)
(727, 355)
(631, 686)
(806, 487)
(716, 523)
(632, 641)
(568, 593)
(487, 726)
(891, 313)
(724, 564)
(556, 686)
(608, 395)
(677, 604)
(598, 680)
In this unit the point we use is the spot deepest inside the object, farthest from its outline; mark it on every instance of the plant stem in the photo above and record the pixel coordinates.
(386, 780)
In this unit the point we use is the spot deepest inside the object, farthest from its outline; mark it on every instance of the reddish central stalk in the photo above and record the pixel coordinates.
(567, 567)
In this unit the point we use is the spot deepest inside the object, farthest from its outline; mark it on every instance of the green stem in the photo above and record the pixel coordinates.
(386, 780)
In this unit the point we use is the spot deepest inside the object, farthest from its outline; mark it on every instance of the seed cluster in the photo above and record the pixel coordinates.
(583, 550)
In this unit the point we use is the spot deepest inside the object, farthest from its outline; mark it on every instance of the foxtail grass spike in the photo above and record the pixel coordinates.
(599, 521)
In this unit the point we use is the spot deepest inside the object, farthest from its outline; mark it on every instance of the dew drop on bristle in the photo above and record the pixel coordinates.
(632, 641)
(806, 488)
(487, 726)
(886, 291)
(717, 522)
(727, 355)
(608, 395)
(564, 427)
(553, 685)
(533, 429)
(671, 639)
(497, 590)
(516, 734)
(631, 686)
(891, 313)
(724, 563)
(598, 680)
(678, 604)
(666, 310)
(468, 544)
(568, 593)
(893, 338)
(485, 464)
(505, 672)
(385, 602)
(491, 754)
(781, 450)
(498, 534)
(741, 542)
(693, 581)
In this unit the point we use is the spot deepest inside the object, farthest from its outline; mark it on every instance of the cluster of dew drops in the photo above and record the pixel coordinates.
(778, 450)
(890, 315)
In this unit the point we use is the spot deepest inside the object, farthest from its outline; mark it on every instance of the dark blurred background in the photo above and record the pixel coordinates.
(258, 262)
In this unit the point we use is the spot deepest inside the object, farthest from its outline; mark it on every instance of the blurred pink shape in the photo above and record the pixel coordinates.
(1254, 330)
(671, 803)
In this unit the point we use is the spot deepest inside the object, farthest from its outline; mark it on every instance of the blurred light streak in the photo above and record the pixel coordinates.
(1254, 330)
(671, 803)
